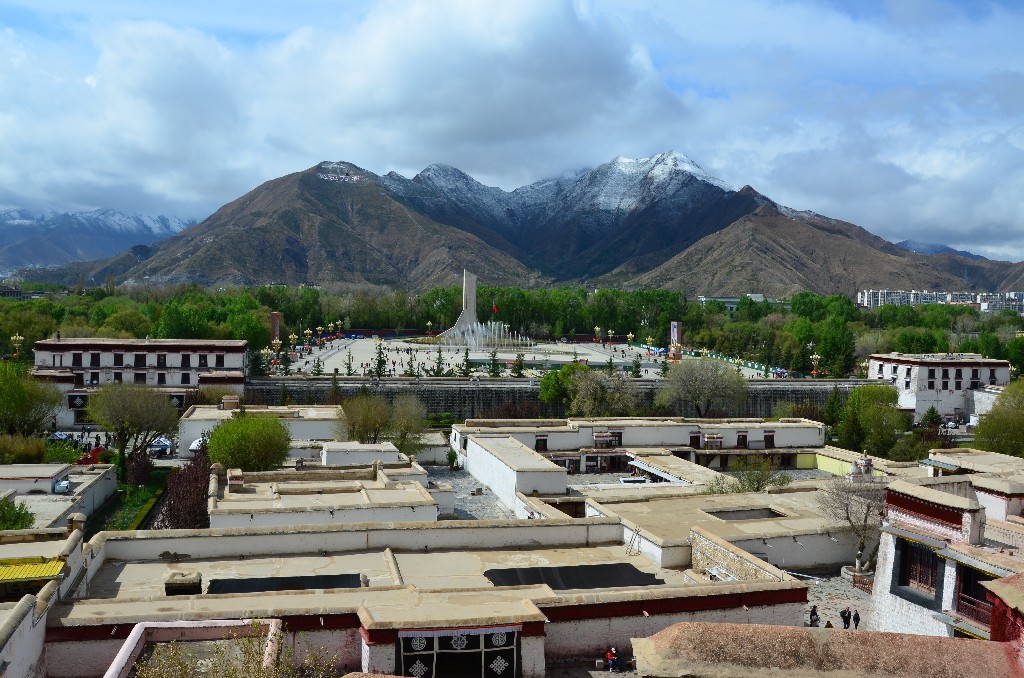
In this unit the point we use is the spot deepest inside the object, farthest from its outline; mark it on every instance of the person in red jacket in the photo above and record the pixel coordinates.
(614, 665)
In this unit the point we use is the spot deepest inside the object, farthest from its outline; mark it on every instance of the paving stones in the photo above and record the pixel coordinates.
(832, 594)
(469, 506)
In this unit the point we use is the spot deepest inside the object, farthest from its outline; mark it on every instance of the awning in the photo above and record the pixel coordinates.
(931, 542)
(963, 625)
(963, 559)
(939, 464)
(30, 571)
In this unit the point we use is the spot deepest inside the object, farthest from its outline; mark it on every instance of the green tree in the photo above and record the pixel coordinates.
(833, 409)
(349, 370)
(27, 406)
(871, 420)
(708, 386)
(518, 365)
(135, 414)
(931, 418)
(1002, 429)
(15, 516)
(380, 362)
(465, 368)
(636, 366)
(557, 387)
(836, 346)
(249, 442)
(493, 366)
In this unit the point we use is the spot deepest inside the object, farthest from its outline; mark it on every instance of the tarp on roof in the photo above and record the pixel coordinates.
(605, 575)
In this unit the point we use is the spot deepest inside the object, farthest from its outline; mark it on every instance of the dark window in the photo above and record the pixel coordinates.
(94, 360)
(880, 368)
(974, 373)
(94, 377)
(140, 377)
(186, 360)
(906, 373)
(203, 358)
(695, 440)
(992, 374)
(931, 372)
(931, 385)
(958, 373)
(906, 385)
(616, 438)
(741, 441)
(945, 373)
(945, 386)
(161, 378)
(140, 360)
(186, 378)
(118, 359)
(541, 445)
(117, 377)
(957, 386)
(219, 360)
(769, 440)
(161, 360)
(918, 567)
(76, 359)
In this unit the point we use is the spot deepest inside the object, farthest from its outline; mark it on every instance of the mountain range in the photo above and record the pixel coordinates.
(658, 222)
(29, 240)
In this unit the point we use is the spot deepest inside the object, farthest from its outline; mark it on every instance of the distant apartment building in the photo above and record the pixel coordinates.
(81, 365)
(985, 301)
(945, 381)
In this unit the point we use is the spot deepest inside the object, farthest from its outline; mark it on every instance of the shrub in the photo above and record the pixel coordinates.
(21, 450)
(251, 443)
(15, 516)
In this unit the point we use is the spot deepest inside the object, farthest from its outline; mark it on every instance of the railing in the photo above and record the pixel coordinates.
(974, 609)
(863, 583)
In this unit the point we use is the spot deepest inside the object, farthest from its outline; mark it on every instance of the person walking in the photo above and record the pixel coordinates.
(845, 616)
(814, 619)
(856, 619)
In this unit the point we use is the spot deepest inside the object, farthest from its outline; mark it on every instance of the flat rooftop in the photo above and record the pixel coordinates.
(980, 461)
(32, 549)
(517, 456)
(662, 459)
(746, 516)
(940, 358)
(31, 471)
(214, 413)
(323, 495)
(434, 571)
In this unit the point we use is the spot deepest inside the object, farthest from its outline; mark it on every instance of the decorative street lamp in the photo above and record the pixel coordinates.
(611, 333)
(265, 354)
(650, 341)
(815, 358)
(308, 333)
(319, 330)
(330, 327)
(17, 340)
(293, 338)
(629, 338)
(597, 333)
(430, 327)
(276, 343)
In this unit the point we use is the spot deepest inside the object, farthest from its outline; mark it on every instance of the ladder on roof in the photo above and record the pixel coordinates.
(633, 548)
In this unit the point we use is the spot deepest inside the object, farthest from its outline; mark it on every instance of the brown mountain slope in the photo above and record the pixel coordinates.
(304, 227)
(779, 254)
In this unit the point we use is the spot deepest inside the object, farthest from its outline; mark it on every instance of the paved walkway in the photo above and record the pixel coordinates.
(832, 594)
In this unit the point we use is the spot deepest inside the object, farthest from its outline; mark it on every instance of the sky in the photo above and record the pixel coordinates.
(905, 117)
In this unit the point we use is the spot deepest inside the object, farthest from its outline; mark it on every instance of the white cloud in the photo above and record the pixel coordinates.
(904, 118)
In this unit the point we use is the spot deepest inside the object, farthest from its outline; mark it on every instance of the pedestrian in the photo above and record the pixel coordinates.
(845, 616)
(814, 619)
(856, 619)
(613, 660)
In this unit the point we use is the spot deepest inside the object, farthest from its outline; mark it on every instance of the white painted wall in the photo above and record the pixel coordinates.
(532, 658)
(342, 516)
(378, 658)
(896, 615)
(807, 551)
(505, 481)
(22, 640)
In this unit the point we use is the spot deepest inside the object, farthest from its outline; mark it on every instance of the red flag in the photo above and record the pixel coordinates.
(495, 307)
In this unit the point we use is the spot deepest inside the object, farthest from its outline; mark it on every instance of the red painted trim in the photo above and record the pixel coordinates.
(379, 636)
(533, 629)
(940, 514)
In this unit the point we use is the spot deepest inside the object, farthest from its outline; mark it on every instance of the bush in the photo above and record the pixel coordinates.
(21, 450)
(62, 453)
(139, 468)
(251, 443)
(15, 516)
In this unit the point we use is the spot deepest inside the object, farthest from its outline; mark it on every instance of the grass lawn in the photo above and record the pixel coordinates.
(129, 507)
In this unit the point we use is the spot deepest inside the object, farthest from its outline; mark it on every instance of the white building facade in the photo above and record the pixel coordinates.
(79, 366)
(940, 380)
